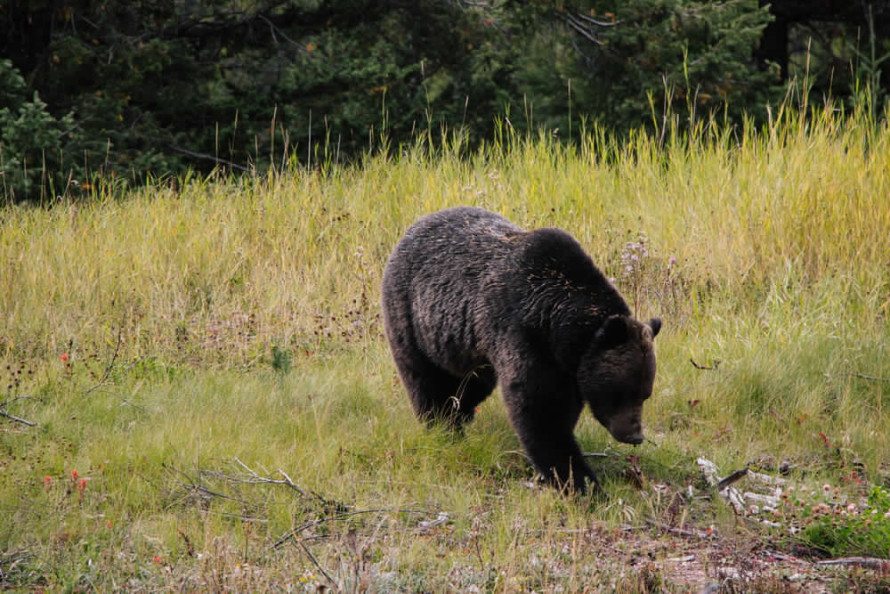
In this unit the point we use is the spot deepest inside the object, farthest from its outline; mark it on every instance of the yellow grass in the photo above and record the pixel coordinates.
(767, 251)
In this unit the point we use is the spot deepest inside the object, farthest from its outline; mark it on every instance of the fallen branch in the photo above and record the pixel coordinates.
(253, 478)
(731, 494)
(292, 533)
(865, 562)
(715, 365)
(680, 531)
(327, 502)
(766, 478)
(728, 480)
(769, 500)
(425, 526)
(194, 487)
(3, 413)
(12, 417)
(783, 557)
(318, 565)
(709, 470)
(870, 378)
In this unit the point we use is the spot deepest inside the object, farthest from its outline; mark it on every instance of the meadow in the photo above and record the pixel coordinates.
(196, 392)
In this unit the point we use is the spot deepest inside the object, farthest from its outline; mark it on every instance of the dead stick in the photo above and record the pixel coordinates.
(866, 562)
(17, 419)
(870, 378)
(317, 564)
(713, 367)
(290, 483)
(735, 476)
(285, 481)
(679, 531)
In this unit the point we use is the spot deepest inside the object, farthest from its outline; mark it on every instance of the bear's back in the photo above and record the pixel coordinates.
(460, 226)
(435, 280)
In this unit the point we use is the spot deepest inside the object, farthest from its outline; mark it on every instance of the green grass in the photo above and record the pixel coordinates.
(235, 325)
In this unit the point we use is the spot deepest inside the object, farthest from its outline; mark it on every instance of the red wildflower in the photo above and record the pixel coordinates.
(47, 480)
(64, 357)
(73, 475)
(82, 485)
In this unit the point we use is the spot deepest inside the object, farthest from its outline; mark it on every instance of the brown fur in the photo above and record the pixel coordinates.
(471, 300)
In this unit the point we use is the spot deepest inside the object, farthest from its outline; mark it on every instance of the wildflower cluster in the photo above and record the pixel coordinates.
(78, 483)
(634, 258)
(830, 520)
(645, 277)
(633, 255)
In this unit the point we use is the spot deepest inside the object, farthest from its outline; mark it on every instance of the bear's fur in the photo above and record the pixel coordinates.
(470, 300)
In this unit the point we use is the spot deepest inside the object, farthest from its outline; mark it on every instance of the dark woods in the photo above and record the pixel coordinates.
(122, 90)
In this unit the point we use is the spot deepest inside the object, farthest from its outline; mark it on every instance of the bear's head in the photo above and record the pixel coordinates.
(616, 374)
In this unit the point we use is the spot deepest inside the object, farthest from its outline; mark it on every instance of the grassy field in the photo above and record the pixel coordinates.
(197, 393)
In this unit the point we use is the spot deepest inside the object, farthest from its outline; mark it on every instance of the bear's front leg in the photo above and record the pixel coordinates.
(544, 417)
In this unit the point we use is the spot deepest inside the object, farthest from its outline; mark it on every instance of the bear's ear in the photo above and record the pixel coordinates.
(614, 332)
(655, 324)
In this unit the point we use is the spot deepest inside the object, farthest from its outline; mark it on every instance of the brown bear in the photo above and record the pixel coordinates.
(470, 300)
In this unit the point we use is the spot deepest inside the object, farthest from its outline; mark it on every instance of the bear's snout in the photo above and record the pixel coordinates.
(632, 435)
(627, 426)
(635, 439)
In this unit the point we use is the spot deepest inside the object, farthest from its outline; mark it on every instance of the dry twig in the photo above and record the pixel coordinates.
(680, 531)
(104, 381)
(714, 366)
(253, 478)
(728, 480)
(317, 564)
(863, 376)
(3, 413)
(194, 487)
(12, 417)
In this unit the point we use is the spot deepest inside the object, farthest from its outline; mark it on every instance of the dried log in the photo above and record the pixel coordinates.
(865, 562)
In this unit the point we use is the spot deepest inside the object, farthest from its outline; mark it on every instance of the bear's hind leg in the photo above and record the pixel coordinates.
(440, 397)
(432, 392)
(474, 388)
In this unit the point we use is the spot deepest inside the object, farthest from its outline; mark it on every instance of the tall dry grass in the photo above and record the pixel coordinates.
(240, 319)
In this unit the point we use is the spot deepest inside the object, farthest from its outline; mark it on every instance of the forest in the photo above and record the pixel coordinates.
(112, 92)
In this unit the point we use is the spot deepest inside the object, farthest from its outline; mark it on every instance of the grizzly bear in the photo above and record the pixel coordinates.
(470, 300)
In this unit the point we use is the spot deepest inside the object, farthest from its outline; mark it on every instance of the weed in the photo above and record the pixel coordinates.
(281, 360)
